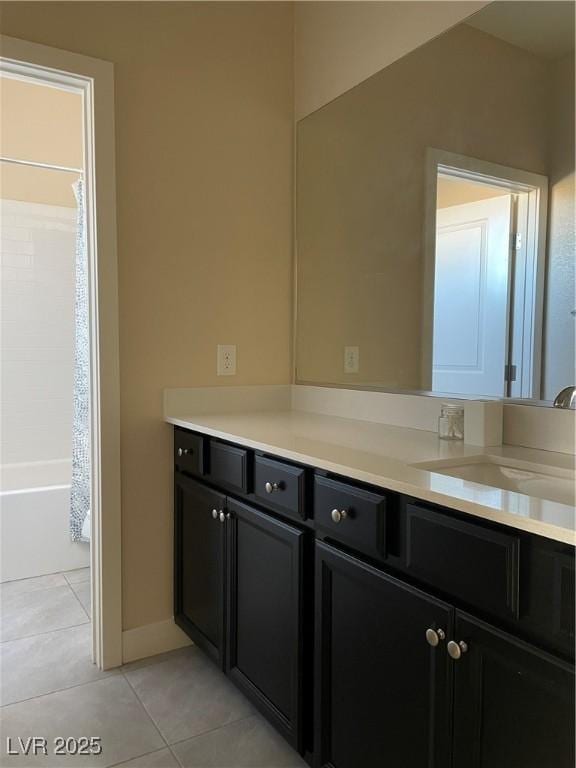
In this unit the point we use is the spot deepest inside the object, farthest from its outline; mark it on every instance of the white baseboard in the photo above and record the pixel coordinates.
(152, 639)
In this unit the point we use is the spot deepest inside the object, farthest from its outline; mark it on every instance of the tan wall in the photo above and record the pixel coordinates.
(204, 110)
(361, 178)
(43, 125)
(559, 322)
(339, 44)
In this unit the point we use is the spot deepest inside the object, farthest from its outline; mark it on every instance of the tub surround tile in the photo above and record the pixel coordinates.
(248, 743)
(37, 306)
(187, 695)
(45, 663)
(42, 610)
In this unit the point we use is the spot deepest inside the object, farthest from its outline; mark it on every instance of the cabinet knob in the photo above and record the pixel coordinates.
(222, 517)
(455, 650)
(215, 514)
(185, 451)
(271, 487)
(434, 636)
(338, 515)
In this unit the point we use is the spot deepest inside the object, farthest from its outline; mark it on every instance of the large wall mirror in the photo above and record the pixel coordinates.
(435, 216)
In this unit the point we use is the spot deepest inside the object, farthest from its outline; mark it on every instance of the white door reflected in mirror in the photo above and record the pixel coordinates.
(471, 297)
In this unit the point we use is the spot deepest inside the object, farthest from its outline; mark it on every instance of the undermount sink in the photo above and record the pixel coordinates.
(540, 480)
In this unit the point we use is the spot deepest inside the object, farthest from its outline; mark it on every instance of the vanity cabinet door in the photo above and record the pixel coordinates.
(382, 690)
(265, 615)
(199, 538)
(513, 703)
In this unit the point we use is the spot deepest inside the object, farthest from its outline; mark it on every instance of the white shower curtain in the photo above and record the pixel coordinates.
(80, 491)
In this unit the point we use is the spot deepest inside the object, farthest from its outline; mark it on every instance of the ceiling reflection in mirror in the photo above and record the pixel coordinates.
(435, 216)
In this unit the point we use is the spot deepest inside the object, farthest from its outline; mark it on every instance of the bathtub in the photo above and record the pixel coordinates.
(34, 532)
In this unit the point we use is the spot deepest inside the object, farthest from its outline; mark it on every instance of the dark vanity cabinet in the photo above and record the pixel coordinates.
(513, 702)
(381, 689)
(371, 628)
(238, 585)
(199, 564)
(265, 614)
(403, 674)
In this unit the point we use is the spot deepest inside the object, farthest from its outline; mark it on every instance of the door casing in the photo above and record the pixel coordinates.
(94, 79)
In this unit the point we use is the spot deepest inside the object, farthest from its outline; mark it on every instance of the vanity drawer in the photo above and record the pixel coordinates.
(353, 516)
(189, 452)
(472, 562)
(280, 486)
(228, 466)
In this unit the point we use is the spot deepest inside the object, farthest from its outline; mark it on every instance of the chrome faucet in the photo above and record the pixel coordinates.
(566, 398)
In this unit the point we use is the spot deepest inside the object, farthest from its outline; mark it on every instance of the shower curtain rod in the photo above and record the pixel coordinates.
(46, 166)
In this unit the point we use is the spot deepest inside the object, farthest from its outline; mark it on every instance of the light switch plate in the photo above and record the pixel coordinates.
(351, 359)
(226, 360)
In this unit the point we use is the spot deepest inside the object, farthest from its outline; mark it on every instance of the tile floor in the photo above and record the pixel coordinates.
(176, 710)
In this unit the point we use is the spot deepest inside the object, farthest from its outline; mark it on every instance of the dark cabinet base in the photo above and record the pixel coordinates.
(199, 566)
(511, 703)
(381, 689)
(360, 623)
(265, 617)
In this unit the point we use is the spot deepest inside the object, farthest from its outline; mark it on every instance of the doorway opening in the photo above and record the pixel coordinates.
(45, 360)
(488, 235)
(87, 191)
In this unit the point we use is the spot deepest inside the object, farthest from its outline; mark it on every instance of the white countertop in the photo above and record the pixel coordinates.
(382, 455)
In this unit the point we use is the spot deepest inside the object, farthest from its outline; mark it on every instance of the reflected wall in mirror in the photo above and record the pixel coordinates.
(435, 216)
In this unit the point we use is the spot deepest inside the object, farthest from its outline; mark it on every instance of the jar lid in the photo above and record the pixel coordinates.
(450, 409)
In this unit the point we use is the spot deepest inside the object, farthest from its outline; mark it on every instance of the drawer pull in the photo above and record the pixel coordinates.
(434, 636)
(338, 515)
(215, 514)
(185, 451)
(272, 487)
(456, 650)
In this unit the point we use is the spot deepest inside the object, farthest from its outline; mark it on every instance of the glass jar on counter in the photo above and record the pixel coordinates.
(451, 422)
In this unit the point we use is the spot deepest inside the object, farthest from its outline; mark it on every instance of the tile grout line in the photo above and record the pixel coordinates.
(212, 730)
(46, 632)
(188, 738)
(71, 588)
(114, 672)
(139, 700)
(74, 582)
(31, 591)
(129, 760)
(106, 675)
(5, 584)
(175, 756)
(168, 746)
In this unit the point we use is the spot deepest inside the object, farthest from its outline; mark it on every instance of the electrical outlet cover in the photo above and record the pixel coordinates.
(351, 359)
(226, 360)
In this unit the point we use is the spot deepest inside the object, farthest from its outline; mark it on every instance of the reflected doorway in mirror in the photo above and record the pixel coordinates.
(485, 263)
